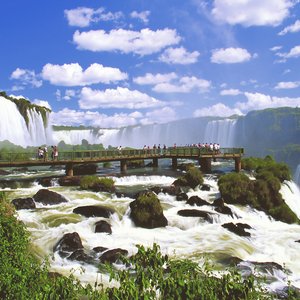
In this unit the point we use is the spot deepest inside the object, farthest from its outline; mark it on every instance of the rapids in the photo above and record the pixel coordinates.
(271, 243)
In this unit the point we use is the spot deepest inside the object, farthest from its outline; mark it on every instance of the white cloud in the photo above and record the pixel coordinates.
(84, 16)
(26, 77)
(275, 48)
(117, 98)
(149, 78)
(42, 103)
(287, 85)
(219, 109)
(184, 85)
(292, 28)
(230, 56)
(179, 56)
(143, 16)
(141, 42)
(163, 115)
(256, 101)
(90, 118)
(294, 53)
(74, 75)
(230, 92)
(69, 94)
(252, 12)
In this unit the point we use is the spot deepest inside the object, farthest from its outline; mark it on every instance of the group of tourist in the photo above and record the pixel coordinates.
(43, 153)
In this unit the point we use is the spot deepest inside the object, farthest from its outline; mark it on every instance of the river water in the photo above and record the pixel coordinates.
(271, 244)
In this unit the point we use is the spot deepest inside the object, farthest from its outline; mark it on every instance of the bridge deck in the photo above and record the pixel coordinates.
(94, 156)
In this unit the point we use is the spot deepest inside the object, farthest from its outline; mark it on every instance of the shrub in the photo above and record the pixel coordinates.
(92, 182)
(192, 178)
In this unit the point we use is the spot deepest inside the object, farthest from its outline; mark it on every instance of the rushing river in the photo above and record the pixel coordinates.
(271, 242)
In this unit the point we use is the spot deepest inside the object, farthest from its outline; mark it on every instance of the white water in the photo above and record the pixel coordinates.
(297, 175)
(270, 241)
(180, 132)
(13, 126)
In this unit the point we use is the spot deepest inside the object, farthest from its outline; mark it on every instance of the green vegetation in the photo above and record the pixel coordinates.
(191, 178)
(149, 274)
(92, 182)
(261, 193)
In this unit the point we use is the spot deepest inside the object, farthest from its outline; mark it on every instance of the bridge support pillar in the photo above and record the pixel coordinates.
(155, 162)
(237, 164)
(174, 163)
(123, 166)
(69, 169)
(205, 164)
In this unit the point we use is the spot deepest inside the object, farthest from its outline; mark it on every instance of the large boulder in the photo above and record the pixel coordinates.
(112, 256)
(195, 213)
(147, 212)
(47, 197)
(94, 211)
(103, 226)
(238, 228)
(192, 178)
(69, 243)
(80, 255)
(23, 203)
(195, 200)
(69, 181)
(46, 181)
(85, 169)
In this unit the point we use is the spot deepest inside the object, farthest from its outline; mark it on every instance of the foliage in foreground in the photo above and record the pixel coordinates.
(261, 193)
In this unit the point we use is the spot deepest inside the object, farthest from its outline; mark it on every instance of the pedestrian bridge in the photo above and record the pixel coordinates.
(70, 158)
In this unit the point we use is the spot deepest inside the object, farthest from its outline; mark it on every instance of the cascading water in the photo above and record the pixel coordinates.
(222, 132)
(297, 175)
(14, 129)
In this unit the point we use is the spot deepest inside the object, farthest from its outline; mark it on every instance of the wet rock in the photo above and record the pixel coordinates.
(195, 213)
(156, 189)
(23, 203)
(182, 197)
(69, 181)
(112, 256)
(80, 255)
(205, 187)
(146, 211)
(47, 197)
(3, 172)
(238, 228)
(85, 169)
(45, 182)
(69, 243)
(93, 211)
(195, 200)
(99, 249)
(219, 202)
(103, 226)
(224, 210)
(172, 190)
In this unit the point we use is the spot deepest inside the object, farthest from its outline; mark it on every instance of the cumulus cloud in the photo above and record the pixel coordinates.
(43, 103)
(74, 75)
(184, 85)
(143, 16)
(179, 56)
(163, 115)
(219, 109)
(26, 78)
(117, 98)
(141, 42)
(291, 29)
(150, 78)
(230, 92)
(257, 101)
(287, 85)
(293, 53)
(252, 12)
(275, 48)
(84, 16)
(230, 56)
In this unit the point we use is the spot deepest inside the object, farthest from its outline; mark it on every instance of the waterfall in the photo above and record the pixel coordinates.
(297, 175)
(222, 132)
(14, 129)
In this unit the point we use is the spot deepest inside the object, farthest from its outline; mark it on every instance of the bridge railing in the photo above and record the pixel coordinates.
(115, 154)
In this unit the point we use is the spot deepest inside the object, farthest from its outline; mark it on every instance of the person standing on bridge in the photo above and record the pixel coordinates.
(45, 153)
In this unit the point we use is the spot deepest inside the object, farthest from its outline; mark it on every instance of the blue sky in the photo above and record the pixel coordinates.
(119, 63)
